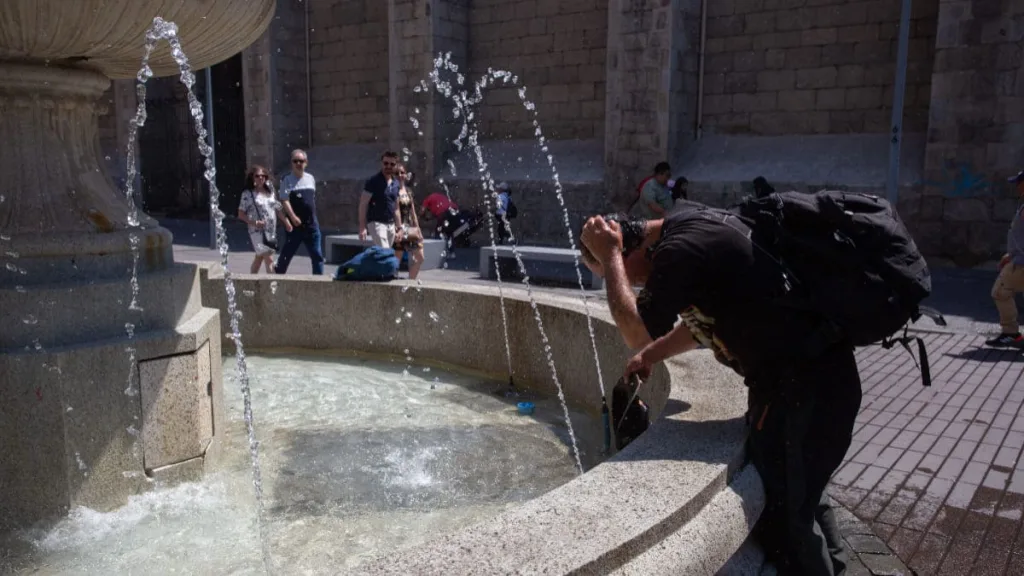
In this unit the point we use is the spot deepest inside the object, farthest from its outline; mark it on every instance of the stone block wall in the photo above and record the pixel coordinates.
(976, 130)
(349, 71)
(777, 67)
(288, 87)
(557, 48)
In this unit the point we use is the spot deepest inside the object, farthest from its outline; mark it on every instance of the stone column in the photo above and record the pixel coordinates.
(651, 85)
(975, 131)
(418, 31)
(274, 76)
(256, 96)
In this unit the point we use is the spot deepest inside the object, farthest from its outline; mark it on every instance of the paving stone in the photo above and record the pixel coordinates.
(866, 544)
(884, 565)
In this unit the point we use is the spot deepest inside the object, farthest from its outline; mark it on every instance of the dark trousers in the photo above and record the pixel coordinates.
(800, 429)
(307, 235)
(499, 224)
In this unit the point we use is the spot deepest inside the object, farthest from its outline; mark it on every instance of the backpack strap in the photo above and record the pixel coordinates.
(905, 340)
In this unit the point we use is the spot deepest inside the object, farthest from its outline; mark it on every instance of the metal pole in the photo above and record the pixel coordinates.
(213, 149)
(899, 90)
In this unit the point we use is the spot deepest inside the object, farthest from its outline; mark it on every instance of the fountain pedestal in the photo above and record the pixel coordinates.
(98, 400)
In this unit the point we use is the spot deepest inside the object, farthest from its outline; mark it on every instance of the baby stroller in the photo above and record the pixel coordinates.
(459, 227)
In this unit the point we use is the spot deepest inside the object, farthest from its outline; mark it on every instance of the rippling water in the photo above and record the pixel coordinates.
(361, 457)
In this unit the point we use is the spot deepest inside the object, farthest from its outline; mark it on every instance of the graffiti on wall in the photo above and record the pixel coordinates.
(961, 180)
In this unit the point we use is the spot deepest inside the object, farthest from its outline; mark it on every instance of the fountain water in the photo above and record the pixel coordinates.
(163, 30)
(464, 110)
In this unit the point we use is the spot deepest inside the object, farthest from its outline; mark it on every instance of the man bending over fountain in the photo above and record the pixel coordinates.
(703, 270)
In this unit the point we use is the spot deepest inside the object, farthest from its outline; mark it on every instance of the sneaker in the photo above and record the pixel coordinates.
(1007, 340)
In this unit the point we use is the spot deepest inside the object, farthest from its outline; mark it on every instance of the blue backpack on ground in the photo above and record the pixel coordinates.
(373, 264)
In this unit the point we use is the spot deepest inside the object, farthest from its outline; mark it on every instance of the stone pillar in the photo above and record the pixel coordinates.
(97, 396)
(256, 95)
(975, 131)
(651, 72)
(418, 31)
(275, 90)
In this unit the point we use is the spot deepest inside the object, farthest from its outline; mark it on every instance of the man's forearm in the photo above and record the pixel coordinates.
(679, 340)
(364, 203)
(622, 303)
(288, 209)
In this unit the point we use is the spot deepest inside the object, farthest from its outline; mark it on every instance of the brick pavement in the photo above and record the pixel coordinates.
(937, 472)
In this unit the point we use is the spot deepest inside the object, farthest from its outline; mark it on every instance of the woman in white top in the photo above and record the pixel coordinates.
(258, 208)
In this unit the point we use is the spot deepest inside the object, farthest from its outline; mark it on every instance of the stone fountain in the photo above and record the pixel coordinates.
(97, 401)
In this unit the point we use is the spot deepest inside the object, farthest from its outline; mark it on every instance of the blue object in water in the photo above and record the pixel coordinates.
(525, 408)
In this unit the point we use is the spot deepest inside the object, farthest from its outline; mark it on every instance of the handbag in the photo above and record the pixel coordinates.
(272, 244)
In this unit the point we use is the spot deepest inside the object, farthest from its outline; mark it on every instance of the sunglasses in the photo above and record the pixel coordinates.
(298, 161)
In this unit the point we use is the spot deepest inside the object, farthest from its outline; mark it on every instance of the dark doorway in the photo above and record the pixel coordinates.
(171, 167)
(229, 132)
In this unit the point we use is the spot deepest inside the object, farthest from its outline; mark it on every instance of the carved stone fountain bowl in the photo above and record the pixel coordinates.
(108, 35)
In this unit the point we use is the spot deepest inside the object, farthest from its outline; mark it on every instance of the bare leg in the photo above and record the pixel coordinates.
(268, 260)
(255, 268)
(398, 255)
(415, 261)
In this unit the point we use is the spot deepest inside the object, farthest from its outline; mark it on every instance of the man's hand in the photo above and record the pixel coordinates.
(295, 221)
(603, 239)
(638, 365)
(260, 224)
(362, 235)
(1004, 261)
(288, 225)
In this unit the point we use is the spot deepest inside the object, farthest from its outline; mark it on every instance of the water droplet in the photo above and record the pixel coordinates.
(398, 320)
(406, 351)
(30, 320)
(426, 368)
(5, 238)
(405, 289)
(36, 344)
(433, 316)
(249, 293)
(273, 287)
(408, 314)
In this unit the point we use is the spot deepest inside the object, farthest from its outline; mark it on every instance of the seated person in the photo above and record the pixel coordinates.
(654, 199)
(762, 188)
(679, 188)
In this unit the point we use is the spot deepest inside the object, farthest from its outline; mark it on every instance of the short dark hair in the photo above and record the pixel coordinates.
(389, 154)
(662, 168)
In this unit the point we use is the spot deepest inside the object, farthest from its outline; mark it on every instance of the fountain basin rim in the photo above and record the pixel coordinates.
(620, 510)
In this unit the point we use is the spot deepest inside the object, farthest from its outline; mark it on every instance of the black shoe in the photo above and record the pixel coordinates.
(1007, 341)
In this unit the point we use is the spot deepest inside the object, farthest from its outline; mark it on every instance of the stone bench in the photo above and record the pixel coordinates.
(488, 254)
(339, 248)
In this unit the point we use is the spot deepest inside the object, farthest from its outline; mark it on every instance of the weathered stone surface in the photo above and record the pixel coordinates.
(177, 411)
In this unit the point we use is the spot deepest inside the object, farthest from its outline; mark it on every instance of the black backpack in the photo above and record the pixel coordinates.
(848, 258)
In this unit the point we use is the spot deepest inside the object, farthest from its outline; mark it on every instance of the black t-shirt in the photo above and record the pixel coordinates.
(383, 197)
(707, 272)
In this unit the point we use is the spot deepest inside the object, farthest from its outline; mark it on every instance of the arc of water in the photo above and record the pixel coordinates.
(445, 88)
(464, 107)
(508, 78)
(163, 30)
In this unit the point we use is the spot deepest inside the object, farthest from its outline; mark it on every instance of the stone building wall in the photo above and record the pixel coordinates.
(349, 71)
(288, 88)
(783, 67)
(557, 48)
(976, 131)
